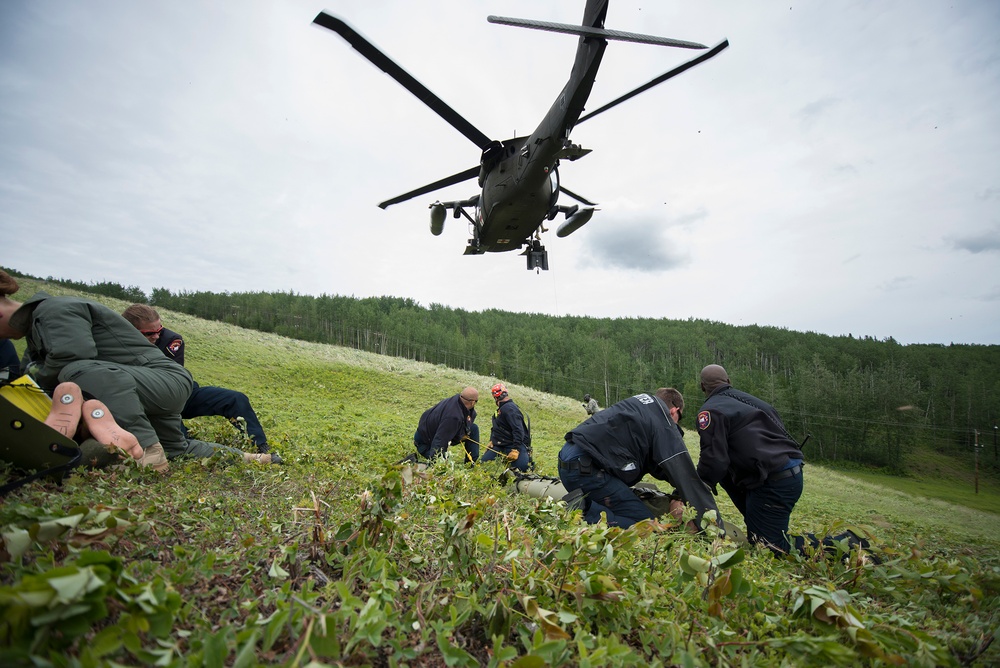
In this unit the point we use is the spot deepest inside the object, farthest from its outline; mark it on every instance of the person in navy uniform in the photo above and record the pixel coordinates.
(606, 455)
(746, 450)
(205, 399)
(449, 422)
(510, 436)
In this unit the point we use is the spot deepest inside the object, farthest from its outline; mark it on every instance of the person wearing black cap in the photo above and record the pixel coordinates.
(746, 449)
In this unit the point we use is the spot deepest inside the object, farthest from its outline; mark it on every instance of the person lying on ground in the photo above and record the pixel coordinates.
(75, 339)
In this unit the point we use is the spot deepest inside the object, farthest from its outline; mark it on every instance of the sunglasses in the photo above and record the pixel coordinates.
(151, 332)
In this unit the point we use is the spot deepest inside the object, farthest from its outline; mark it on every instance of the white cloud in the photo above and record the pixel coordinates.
(834, 170)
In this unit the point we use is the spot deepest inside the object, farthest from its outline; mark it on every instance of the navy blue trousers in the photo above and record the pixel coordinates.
(471, 449)
(602, 491)
(522, 463)
(767, 509)
(230, 404)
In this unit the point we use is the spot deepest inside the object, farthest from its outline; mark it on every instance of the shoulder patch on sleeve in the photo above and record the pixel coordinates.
(704, 419)
(174, 346)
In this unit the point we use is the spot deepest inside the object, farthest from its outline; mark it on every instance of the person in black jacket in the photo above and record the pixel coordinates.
(205, 399)
(451, 421)
(612, 450)
(746, 449)
(510, 436)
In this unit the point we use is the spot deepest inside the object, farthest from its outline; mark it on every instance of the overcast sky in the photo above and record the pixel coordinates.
(836, 170)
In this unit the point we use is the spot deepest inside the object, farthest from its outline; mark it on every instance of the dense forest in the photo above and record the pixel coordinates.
(859, 400)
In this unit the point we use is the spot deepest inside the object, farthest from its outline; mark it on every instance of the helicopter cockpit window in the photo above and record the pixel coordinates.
(492, 154)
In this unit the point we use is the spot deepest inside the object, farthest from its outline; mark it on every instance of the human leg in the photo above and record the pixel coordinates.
(603, 492)
(116, 388)
(230, 404)
(163, 389)
(737, 494)
(200, 449)
(769, 508)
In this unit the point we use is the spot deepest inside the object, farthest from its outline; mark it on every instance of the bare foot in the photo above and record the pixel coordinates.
(102, 426)
(64, 416)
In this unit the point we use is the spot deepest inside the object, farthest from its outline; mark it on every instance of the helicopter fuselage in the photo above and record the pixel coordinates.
(520, 191)
(519, 178)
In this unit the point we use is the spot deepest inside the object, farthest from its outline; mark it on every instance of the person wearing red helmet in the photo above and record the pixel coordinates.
(510, 436)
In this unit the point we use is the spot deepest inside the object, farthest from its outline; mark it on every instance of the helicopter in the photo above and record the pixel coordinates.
(519, 177)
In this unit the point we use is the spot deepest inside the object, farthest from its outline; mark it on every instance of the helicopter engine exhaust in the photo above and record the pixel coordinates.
(574, 222)
(438, 213)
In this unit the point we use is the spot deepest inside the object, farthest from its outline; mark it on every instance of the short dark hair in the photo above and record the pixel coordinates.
(671, 397)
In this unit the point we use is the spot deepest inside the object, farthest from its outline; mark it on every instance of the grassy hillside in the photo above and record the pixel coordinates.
(339, 558)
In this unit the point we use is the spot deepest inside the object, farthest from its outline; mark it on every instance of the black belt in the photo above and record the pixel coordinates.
(787, 473)
(583, 464)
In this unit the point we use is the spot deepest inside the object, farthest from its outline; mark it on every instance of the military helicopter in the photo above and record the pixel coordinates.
(519, 177)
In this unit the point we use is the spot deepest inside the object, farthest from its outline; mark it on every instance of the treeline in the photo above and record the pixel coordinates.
(858, 399)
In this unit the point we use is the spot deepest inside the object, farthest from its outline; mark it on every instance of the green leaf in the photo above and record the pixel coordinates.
(106, 642)
(276, 571)
(70, 588)
(730, 559)
(247, 654)
(692, 565)
(17, 542)
(453, 655)
(325, 643)
(216, 650)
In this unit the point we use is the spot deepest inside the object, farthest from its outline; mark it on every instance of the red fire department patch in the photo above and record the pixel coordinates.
(704, 419)
(174, 346)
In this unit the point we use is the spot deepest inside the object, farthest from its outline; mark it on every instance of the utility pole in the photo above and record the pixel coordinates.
(976, 446)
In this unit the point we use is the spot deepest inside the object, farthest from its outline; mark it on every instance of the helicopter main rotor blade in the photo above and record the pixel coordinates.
(572, 194)
(384, 63)
(587, 31)
(716, 50)
(431, 187)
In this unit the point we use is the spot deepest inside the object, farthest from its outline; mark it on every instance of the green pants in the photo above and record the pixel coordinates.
(196, 448)
(144, 400)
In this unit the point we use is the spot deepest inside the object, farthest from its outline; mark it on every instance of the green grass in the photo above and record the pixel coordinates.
(945, 477)
(340, 558)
